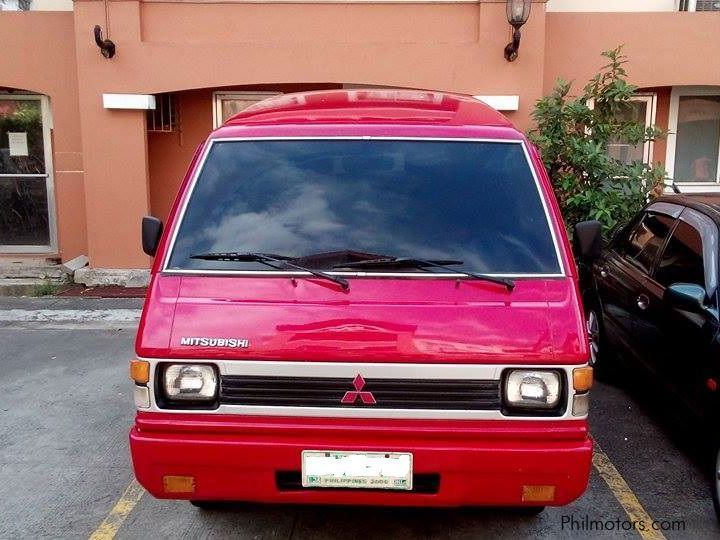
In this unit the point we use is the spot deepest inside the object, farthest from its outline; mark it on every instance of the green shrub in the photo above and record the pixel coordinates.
(45, 289)
(573, 134)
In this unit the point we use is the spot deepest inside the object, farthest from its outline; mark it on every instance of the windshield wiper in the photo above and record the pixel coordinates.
(270, 259)
(424, 264)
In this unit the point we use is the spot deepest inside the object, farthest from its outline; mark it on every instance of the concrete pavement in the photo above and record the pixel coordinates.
(66, 407)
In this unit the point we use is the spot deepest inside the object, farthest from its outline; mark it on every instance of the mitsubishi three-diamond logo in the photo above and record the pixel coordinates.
(352, 396)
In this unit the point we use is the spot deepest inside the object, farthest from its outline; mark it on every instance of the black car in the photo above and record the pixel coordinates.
(652, 296)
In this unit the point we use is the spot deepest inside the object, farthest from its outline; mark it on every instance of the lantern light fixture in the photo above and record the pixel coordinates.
(106, 46)
(518, 12)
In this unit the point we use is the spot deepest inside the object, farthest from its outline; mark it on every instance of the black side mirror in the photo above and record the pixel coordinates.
(151, 230)
(587, 239)
(686, 296)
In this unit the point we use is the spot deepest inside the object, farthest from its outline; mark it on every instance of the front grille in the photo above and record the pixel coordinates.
(456, 394)
(292, 481)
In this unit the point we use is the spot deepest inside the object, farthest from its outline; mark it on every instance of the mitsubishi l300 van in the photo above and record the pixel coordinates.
(363, 297)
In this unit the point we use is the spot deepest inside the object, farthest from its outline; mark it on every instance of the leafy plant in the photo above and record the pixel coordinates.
(573, 135)
(45, 289)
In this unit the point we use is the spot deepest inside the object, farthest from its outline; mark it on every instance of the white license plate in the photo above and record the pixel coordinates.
(365, 470)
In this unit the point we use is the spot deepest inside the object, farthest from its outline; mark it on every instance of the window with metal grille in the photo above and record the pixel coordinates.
(164, 117)
(707, 5)
(699, 5)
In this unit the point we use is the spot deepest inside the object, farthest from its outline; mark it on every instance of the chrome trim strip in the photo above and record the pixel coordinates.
(375, 370)
(211, 142)
(369, 370)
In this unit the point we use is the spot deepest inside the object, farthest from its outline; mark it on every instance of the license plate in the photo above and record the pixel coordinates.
(364, 470)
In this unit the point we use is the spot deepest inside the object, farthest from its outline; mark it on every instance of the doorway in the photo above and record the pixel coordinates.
(27, 209)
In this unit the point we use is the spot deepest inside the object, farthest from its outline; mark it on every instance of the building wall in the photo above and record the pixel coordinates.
(38, 54)
(192, 48)
(51, 5)
(38, 5)
(612, 5)
(447, 46)
(664, 49)
(450, 46)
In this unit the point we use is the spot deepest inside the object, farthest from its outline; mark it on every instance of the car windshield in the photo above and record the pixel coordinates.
(469, 201)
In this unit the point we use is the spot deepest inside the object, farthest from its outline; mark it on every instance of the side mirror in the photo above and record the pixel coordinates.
(587, 239)
(151, 230)
(686, 296)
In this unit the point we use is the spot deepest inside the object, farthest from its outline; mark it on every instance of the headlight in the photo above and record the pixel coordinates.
(532, 389)
(196, 382)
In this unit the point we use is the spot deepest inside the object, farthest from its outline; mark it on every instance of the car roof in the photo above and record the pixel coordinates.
(371, 106)
(707, 203)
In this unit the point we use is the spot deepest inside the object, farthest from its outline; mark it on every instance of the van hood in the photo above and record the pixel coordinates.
(423, 320)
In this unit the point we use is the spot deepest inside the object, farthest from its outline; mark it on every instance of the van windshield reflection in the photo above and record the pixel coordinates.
(322, 203)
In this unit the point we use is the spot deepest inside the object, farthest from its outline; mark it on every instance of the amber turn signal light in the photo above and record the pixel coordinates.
(140, 371)
(179, 484)
(538, 493)
(582, 378)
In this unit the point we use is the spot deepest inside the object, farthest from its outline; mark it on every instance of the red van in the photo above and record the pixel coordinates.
(363, 297)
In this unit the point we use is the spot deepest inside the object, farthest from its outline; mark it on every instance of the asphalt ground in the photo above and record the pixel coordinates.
(66, 407)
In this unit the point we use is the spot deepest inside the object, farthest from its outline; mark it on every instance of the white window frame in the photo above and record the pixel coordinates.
(219, 96)
(650, 98)
(675, 94)
(650, 113)
(47, 127)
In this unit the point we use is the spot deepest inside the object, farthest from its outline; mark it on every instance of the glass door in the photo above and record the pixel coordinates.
(26, 190)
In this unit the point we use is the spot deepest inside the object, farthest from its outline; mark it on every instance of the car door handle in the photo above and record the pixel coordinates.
(643, 302)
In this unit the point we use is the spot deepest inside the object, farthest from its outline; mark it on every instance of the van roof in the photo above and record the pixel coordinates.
(370, 106)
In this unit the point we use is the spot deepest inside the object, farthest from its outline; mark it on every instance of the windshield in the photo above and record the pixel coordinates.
(475, 202)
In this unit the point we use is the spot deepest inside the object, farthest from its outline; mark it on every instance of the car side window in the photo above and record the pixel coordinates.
(643, 241)
(682, 260)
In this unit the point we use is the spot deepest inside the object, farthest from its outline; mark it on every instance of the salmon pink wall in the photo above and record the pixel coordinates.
(179, 46)
(664, 48)
(110, 172)
(38, 54)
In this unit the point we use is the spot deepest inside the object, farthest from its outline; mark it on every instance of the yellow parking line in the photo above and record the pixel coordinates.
(624, 495)
(112, 522)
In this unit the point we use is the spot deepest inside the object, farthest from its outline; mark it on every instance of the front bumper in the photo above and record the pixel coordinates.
(457, 462)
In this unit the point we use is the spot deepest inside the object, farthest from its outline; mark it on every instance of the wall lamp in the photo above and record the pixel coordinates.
(107, 47)
(518, 12)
